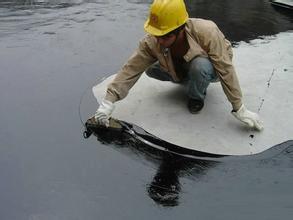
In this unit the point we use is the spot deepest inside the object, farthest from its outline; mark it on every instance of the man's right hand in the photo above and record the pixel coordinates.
(104, 112)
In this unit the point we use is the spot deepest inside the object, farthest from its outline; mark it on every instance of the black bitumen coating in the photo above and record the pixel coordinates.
(50, 52)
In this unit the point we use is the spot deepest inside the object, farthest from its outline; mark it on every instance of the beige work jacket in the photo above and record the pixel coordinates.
(204, 38)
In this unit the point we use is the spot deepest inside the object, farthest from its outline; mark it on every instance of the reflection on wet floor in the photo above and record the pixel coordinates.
(165, 187)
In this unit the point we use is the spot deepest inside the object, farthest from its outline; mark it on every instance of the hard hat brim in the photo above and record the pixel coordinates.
(155, 31)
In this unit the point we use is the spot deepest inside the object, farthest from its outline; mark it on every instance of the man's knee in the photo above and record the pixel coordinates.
(202, 67)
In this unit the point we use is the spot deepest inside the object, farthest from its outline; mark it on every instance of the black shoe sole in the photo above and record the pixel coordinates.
(194, 106)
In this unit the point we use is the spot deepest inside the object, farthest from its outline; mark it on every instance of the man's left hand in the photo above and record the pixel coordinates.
(251, 119)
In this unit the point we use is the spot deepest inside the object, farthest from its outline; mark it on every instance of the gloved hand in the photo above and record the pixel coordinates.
(104, 112)
(251, 119)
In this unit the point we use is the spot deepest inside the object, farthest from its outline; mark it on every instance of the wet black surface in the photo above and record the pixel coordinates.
(243, 20)
(173, 163)
(50, 52)
(260, 171)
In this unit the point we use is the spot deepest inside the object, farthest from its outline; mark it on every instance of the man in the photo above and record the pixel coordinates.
(193, 52)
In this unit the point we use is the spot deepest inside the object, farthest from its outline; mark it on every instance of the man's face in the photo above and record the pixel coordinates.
(166, 40)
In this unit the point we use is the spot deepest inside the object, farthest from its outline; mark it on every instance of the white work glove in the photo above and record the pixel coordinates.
(251, 119)
(104, 112)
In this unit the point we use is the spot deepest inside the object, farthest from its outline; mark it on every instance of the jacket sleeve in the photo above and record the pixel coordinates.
(131, 71)
(220, 52)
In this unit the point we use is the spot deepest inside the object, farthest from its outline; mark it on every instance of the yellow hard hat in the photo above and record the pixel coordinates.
(165, 16)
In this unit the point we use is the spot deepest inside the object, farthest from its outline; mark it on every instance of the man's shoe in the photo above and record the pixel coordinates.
(195, 105)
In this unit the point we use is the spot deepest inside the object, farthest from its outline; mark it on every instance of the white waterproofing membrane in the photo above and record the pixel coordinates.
(283, 3)
(265, 71)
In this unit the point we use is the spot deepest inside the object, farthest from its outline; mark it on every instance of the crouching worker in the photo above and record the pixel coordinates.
(184, 50)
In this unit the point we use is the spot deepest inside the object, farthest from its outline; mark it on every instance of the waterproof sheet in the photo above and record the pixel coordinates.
(265, 71)
(283, 3)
